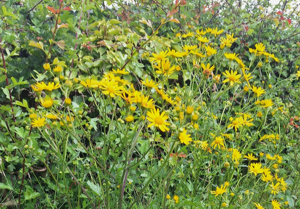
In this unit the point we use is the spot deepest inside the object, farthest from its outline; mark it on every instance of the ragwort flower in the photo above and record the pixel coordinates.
(232, 77)
(185, 138)
(158, 120)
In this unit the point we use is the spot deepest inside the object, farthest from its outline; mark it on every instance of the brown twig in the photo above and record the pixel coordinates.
(35, 6)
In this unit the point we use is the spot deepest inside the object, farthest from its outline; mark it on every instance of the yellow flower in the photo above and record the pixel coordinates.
(158, 120)
(210, 51)
(68, 101)
(266, 103)
(219, 141)
(275, 188)
(236, 155)
(207, 70)
(219, 191)
(164, 67)
(258, 206)
(246, 88)
(185, 138)
(298, 74)
(129, 118)
(37, 88)
(158, 57)
(255, 168)
(47, 102)
(231, 56)
(118, 71)
(236, 123)
(176, 198)
(258, 91)
(51, 116)
(275, 204)
(224, 204)
(251, 157)
(203, 39)
(90, 83)
(46, 66)
(168, 197)
(40, 122)
(215, 31)
(232, 77)
(259, 64)
(111, 88)
(57, 69)
(149, 83)
(189, 109)
(32, 116)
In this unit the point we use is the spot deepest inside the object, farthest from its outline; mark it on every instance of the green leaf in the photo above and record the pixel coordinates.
(2, 78)
(24, 104)
(31, 195)
(250, 31)
(5, 186)
(93, 123)
(95, 188)
(114, 21)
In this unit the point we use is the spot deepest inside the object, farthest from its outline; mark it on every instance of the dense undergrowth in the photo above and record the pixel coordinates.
(104, 109)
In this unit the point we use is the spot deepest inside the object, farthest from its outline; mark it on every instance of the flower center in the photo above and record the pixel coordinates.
(231, 78)
(111, 89)
(158, 120)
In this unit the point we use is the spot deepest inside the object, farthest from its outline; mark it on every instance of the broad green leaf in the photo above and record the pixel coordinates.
(95, 188)
(6, 186)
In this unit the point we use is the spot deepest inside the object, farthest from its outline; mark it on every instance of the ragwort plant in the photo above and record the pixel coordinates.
(197, 129)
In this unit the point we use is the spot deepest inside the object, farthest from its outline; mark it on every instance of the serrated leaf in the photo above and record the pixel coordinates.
(95, 188)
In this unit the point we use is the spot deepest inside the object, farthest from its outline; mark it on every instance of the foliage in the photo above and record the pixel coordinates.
(155, 107)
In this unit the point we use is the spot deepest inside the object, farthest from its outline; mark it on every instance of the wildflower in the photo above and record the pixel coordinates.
(236, 155)
(37, 88)
(201, 33)
(189, 109)
(255, 168)
(236, 123)
(224, 204)
(195, 117)
(219, 191)
(230, 56)
(259, 114)
(40, 122)
(132, 108)
(275, 188)
(46, 66)
(258, 206)
(246, 88)
(57, 69)
(215, 32)
(202, 39)
(219, 141)
(226, 183)
(266, 103)
(232, 77)
(176, 198)
(129, 118)
(207, 70)
(111, 88)
(247, 192)
(158, 120)
(216, 78)
(267, 177)
(68, 101)
(158, 57)
(90, 83)
(258, 91)
(210, 51)
(283, 185)
(226, 164)
(259, 64)
(51, 116)
(164, 67)
(275, 204)
(168, 197)
(185, 138)
(47, 102)
(251, 157)
(118, 71)
(32, 116)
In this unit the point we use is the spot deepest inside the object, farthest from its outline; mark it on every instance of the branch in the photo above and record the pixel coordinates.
(35, 6)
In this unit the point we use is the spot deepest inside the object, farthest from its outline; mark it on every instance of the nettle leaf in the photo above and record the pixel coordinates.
(95, 188)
